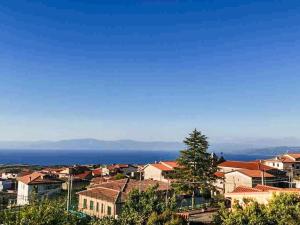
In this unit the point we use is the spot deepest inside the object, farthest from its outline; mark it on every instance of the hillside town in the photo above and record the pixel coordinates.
(100, 191)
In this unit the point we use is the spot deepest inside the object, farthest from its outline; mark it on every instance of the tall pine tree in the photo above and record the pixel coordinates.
(196, 166)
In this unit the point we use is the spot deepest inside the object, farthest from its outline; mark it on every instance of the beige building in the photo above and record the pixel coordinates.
(261, 193)
(159, 171)
(107, 198)
(248, 178)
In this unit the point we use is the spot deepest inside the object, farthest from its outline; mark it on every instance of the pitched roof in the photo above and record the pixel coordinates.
(86, 175)
(266, 187)
(165, 165)
(113, 189)
(241, 189)
(97, 172)
(219, 174)
(172, 164)
(294, 155)
(254, 173)
(245, 165)
(39, 178)
(161, 167)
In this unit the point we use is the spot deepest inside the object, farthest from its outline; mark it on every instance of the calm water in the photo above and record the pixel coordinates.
(69, 157)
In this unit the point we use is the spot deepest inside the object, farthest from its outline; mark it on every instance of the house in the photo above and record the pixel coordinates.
(39, 184)
(107, 198)
(126, 169)
(159, 171)
(260, 193)
(250, 178)
(229, 166)
(97, 172)
(79, 181)
(251, 173)
(289, 162)
(74, 170)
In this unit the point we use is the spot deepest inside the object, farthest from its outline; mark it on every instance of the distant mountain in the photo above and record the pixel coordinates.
(241, 148)
(272, 151)
(92, 144)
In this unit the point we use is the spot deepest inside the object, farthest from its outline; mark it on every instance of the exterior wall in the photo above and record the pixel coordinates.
(235, 179)
(101, 211)
(278, 165)
(260, 197)
(105, 171)
(220, 186)
(227, 169)
(24, 191)
(153, 173)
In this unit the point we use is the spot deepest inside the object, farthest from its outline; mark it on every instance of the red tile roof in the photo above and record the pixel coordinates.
(97, 172)
(241, 189)
(86, 175)
(294, 155)
(161, 167)
(245, 165)
(219, 174)
(113, 189)
(254, 173)
(266, 187)
(39, 178)
(172, 164)
(260, 188)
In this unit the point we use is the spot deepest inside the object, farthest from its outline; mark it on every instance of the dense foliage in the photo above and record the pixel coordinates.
(141, 208)
(196, 166)
(283, 209)
(46, 212)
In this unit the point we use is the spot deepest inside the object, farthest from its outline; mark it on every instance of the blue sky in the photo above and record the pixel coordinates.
(149, 70)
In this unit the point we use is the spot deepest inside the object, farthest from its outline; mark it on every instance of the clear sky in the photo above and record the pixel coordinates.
(149, 69)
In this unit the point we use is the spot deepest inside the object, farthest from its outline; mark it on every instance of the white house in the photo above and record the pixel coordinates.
(159, 171)
(289, 162)
(39, 184)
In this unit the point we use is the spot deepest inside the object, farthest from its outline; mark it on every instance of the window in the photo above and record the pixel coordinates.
(91, 205)
(97, 207)
(84, 203)
(293, 165)
(273, 164)
(277, 164)
(108, 210)
(102, 208)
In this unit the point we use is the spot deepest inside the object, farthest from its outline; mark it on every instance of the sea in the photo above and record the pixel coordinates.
(72, 157)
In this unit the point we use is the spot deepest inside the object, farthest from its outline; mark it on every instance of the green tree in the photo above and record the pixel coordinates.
(119, 176)
(139, 206)
(196, 166)
(282, 209)
(44, 212)
(165, 218)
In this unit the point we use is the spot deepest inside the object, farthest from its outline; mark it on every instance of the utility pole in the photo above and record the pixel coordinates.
(68, 196)
(70, 187)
